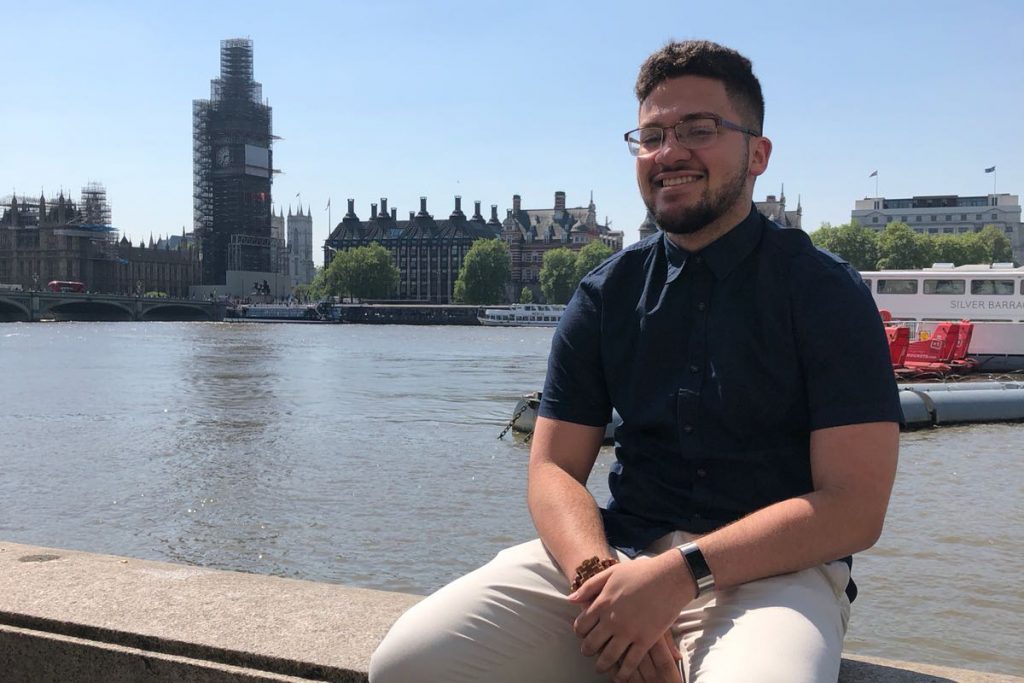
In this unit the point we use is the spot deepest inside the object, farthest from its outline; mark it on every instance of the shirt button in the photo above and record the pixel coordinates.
(701, 472)
(694, 369)
(696, 515)
(701, 306)
(687, 429)
(698, 258)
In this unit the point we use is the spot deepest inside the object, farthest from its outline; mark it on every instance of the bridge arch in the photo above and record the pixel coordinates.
(12, 311)
(90, 310)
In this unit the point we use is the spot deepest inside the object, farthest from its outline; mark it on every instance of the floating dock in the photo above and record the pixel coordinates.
(924, 405)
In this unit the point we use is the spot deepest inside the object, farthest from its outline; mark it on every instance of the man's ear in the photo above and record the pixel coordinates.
(759, 155)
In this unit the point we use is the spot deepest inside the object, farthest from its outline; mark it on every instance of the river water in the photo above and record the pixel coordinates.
(366, 455)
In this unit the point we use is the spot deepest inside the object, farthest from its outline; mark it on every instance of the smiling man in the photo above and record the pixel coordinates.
(757, 449)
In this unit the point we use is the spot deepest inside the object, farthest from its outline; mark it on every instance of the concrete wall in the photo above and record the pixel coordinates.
(74, 616)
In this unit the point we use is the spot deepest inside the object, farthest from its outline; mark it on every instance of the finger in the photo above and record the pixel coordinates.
(611, 655)
(672, 647)
(584, 623)
(595, 641)
(665, 664)
(629, 662)
(647, 671)
(590, 589)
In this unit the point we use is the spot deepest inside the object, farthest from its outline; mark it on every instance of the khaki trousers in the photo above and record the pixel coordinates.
(509, 622)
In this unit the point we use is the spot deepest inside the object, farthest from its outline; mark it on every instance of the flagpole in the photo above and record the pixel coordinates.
(876, 184)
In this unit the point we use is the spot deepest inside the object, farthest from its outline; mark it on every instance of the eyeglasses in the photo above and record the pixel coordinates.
(696, 131)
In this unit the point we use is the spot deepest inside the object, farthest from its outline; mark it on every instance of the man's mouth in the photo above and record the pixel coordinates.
(678, 180)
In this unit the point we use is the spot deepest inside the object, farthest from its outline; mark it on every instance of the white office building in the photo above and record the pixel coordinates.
(946, 215)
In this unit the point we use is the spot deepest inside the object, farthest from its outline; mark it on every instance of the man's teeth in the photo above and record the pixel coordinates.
(682, 180)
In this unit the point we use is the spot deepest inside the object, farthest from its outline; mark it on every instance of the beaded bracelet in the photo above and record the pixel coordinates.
(588, 569)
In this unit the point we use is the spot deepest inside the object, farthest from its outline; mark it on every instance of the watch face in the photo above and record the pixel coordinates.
(223, 156)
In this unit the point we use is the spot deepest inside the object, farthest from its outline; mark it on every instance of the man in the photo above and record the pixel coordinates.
(757, 450)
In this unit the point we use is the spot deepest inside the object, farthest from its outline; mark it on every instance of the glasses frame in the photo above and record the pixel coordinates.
(720, 123)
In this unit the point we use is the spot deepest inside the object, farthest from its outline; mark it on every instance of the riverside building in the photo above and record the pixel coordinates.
(428, 252)
(232, 176)
(946, 215)
(300, 247)
(530, 233)
(60, 239)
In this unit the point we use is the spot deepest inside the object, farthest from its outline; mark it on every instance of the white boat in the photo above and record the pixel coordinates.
(991, 297)
(522, 315)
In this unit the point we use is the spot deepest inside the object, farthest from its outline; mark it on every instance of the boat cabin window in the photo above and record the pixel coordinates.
(897, 286)
(945, 286)
(996, 287)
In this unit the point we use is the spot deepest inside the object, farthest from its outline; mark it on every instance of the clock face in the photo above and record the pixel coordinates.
(223, 156)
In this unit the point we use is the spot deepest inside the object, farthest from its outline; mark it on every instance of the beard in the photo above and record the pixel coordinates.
(709, 207)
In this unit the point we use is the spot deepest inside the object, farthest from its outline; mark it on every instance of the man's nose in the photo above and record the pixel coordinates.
(671, 149)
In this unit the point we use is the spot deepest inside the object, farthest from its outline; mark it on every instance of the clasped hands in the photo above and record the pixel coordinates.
(627, 612)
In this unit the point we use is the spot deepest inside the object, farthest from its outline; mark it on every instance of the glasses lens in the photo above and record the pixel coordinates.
(644, 140)
(696, 133)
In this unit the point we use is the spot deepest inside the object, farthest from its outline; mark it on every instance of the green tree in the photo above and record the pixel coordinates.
(997, 245)
(526, 296)
(363, 272)
(485, 271)
(558, 275)
(976, 248)
(900, 247)
(853, 242)
(949, 249)
(590, 257)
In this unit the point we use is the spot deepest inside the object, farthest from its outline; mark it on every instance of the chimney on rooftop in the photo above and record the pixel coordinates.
(516, 203)
(373, 212)
(559, 201)
(457, 213)
(384, 206)
(423, 207)
(394, 214)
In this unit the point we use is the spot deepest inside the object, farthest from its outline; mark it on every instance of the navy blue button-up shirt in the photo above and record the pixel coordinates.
(721, 363)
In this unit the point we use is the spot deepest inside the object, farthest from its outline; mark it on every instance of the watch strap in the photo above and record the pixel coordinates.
(698, 567)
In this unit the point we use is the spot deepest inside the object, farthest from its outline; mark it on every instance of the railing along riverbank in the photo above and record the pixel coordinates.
(71, 615)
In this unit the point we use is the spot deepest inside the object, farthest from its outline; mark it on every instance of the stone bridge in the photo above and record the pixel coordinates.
(42, 305)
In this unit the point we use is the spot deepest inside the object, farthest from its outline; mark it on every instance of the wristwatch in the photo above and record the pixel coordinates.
(698, 567)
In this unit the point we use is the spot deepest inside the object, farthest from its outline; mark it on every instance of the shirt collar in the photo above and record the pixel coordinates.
(722, 255)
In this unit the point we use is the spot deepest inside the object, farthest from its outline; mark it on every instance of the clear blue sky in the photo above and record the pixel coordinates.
(400, 99)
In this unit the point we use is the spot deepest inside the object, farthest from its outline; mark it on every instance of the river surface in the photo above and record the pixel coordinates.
(367, 455)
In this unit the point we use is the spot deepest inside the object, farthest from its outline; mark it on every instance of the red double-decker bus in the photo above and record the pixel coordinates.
(65, 286)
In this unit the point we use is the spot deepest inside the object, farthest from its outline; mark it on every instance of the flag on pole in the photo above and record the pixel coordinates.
(298, 194)
(990, 169)
(328, 204)
(873, 174)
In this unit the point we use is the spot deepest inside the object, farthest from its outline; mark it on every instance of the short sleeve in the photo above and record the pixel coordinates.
(575, 389)
(843, 349)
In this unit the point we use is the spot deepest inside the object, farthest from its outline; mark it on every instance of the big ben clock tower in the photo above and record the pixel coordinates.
(232, 171)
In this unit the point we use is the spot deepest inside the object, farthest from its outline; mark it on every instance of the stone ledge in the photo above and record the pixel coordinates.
(69, 615)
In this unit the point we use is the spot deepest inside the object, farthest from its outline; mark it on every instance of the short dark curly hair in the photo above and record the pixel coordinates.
(710, 60)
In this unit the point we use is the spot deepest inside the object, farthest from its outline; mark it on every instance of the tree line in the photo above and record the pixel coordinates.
(369, 273)
(898, 246)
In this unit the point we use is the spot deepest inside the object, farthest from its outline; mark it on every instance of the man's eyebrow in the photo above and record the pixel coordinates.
(687, 117)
